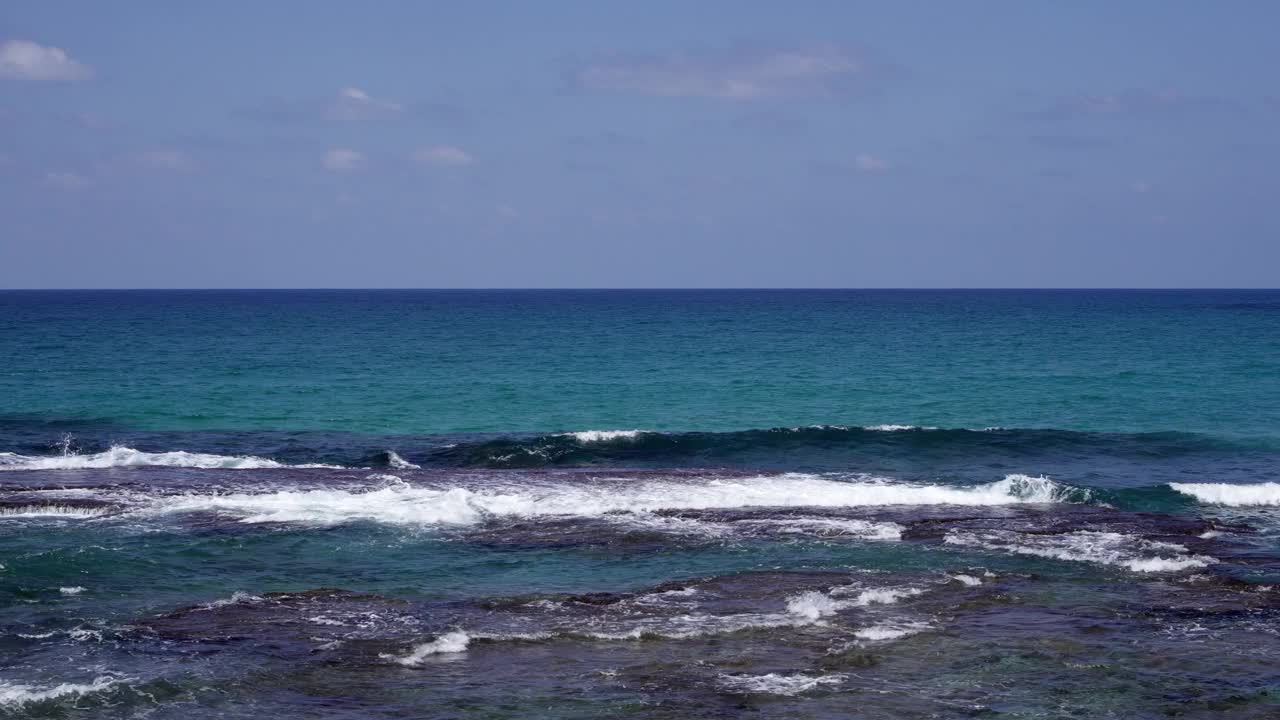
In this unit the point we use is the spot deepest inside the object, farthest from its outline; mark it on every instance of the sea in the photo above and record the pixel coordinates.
(640, 504)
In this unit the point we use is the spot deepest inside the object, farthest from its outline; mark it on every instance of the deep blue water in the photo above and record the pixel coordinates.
(351, 504)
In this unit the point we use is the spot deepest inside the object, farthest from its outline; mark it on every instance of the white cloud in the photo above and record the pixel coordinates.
(164, 160)
(871, 163)
(340, 159)
(816, 72)
(25, 60)
(443, 155)
(353, 103)
(65, 180)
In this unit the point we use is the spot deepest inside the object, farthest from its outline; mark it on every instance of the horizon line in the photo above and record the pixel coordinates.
(645, 289)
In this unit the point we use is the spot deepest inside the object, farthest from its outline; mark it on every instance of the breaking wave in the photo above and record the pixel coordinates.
(125, 457)
(596, 436)
(18, 694)
(453, 642)
(50, 511)
(406, 504)
(1266, 494)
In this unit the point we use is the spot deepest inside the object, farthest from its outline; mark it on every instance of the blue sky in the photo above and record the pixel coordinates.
(658, 144)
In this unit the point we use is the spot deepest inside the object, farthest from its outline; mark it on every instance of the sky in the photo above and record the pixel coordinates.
(658, 144)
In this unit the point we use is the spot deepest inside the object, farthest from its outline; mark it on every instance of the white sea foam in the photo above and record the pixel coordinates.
(897, 428)
(18, 694)
(969, 580)
(691, 625)
(776, 684)
(596, 436)
(452, 642)
(889, 631)
(828, 527)
(1267, 494)
(74, 590)
(1103, 548)
(50, 511)
(809, 608)
(415, 505)
(122, 457)
(814, 605)
(394, 460)
(237, 597)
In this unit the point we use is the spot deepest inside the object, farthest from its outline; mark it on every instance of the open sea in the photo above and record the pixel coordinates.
(639, 504)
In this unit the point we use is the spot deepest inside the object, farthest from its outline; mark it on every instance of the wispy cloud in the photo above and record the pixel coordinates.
(350, 104)
(64, 180)
(353, 103)
(823, 71)
(443, 156)
(26, 60)
(342, 159)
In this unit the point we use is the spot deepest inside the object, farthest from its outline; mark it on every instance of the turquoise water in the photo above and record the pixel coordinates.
(439, 362)
(649, 504)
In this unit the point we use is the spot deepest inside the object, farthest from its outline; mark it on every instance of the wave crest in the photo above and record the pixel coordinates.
(1264, 494)
(119, 456)
(413, 505)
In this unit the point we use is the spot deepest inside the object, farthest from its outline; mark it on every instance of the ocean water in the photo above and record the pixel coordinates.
(648, 504)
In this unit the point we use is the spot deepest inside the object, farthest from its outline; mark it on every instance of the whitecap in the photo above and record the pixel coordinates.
(814, 605)
(452, 642)
(416, 505)
(119, 456)
(1103, 548)
(51, 511)
(394, 460)
(1265, 494)
(18, 694)
(889, 631)
(599, 436)
(777, 684)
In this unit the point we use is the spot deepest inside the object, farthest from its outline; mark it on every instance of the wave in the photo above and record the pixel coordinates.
(815, 605)
(395, 461)
(1102, 548)
(18, 694)
(596, 436)
(124, 457)
(828, 445)
(405, 504)
(453, 642)
(1266, 494)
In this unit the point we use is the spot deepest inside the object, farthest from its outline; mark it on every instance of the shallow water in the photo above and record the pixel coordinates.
(522, 505)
